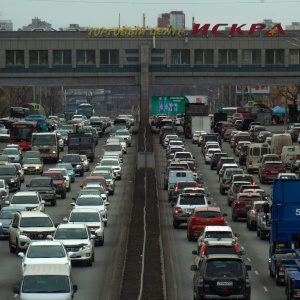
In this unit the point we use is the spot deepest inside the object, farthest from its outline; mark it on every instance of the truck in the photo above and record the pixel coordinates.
(47, 144)
(284, 224)
(218, 117)
(82, 143)
(292, 278)
(200, 123)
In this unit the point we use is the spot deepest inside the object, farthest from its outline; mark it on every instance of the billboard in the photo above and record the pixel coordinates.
(253, 89)
(173, 105)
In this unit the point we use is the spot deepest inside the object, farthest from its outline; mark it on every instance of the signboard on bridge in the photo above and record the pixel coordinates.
(173, 105)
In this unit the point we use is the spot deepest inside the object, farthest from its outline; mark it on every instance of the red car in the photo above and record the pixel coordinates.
(59, 182)
(95, 180)
(204, 216)
(270, 170)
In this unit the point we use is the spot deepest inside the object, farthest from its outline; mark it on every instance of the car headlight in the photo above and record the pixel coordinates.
(78, 166)
(13, 180)
(37, 167)
(86, 247)
(25, 233)
(25, 167)
(1, 224)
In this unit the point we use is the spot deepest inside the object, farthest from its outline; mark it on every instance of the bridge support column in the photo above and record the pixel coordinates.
(144, 82)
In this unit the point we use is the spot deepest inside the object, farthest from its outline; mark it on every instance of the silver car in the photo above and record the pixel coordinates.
(86, 162)
(33, 166)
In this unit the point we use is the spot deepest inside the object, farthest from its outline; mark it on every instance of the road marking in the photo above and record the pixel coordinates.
(265, 288)
(248, 259)
(256, 272)
(242, 247)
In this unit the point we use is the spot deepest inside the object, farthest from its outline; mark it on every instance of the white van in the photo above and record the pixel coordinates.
(179, 175)
(288, 153)
(278, 141)
(46, 282)
(255, 153)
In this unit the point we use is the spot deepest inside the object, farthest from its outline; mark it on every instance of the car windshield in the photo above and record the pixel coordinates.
(221, 266)
(7, 214)
(99, 188)
(64, 171)
(89, 201)
(113, 148)
(184, 184)
(109, 162)
(42, 140)
(250, 198)
(55, 176)
(7, 171)
(68, 166)
(192, 200)
(46, 284)
(3, 131)
(87, 192)
(64, 133)
(24, 199)
(30, 161)
(40, 183)
(84, 217)
(71, 234)
(275, 166)
(243, 178)
(10, 151)
(106, 175)
(122, 133)
(46, 251)
(32, 154)
(220, 249)
(36, 222)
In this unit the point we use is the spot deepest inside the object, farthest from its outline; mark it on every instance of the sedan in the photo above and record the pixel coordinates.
(33, 166)
(86, 162)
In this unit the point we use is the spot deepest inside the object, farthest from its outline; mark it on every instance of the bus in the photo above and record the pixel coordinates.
(40, 120)
(21, 133)
(18, 112)
(85, 109)
(69, 113)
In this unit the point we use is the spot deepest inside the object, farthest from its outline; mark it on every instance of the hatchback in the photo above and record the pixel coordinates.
(270, 170)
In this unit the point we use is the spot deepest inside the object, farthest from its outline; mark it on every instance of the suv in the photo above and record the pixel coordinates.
(12, 177)
(76, 162)
(180, 185)
(221, 276)
(270, 170)
(27, 226)
(28, 200)
(58, 181)
(215, 159)
(45, 187)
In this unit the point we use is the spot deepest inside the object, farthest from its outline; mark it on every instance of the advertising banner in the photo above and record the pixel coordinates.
(253, 89)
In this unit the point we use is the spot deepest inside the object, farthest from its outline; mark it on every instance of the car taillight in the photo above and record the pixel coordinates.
(195, 220)
(236, 247)
(266, 171)
(242, 154)
(223, 130)
(203, 250)
(282, 171)
(195, 168)
(250, 163)
(220, 219)
(178, 210)
(176, 189)
(214, 159)
(206, 154)
(253, 211)
(235, 143)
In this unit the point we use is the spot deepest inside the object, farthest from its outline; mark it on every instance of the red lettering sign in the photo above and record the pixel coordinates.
(203, 29)
(214, 30)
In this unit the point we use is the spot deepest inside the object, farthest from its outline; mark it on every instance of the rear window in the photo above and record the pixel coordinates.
(183, 155)
(228, 161)
(192, 200)
(236, 187)
(218, 234)
(219, 266)
(242, 138)
(208, 214)
(220, 250)
(244, 198)
(211, 138)
(182, 185)
(275, 166)
(243, 178)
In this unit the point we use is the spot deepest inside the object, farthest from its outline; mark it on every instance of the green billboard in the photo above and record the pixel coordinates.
(170, 105)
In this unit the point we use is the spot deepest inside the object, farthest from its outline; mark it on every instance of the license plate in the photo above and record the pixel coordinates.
(274, 172)
(224, 283)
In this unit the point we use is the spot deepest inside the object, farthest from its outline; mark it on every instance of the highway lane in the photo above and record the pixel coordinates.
(102, 280)
(177, 249)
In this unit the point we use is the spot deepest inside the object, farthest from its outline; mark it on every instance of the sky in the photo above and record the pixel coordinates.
(105, 13)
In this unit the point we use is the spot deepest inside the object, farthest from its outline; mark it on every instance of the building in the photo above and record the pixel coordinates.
(74, 27)
(6, 25)
(38, 25)
(293, 26)
(174, 19)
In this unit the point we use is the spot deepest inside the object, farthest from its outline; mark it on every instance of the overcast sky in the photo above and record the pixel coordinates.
(105, 13)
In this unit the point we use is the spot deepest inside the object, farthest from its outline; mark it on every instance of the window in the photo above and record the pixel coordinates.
(274, 57)
(294, 57)
(227, 57)
(38, 57)
(14, 57)
(204, 57)
(109, 57)
(85, 57)
(251, 57)
(180, 57)
(62, 57)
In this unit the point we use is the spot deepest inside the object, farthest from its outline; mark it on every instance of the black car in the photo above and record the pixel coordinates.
(221, 276)
(224, 160)
(76, 161)
(215, 159)
(243, 154)
(12, 177)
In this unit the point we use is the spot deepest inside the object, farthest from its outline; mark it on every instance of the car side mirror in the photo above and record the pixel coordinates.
(93, 236)
(73, 203)
(225, 215)
(16, 290)
(49, 237)
(21, 254)
(75, 288)
(194, 268)
(248, 267)
(209, 202)
(237, 235)
(195, 252)
(65, 219)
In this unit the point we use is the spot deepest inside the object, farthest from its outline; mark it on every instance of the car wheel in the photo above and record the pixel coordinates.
(101, 243)
(258, 232)
(234, 218)
(81, 173)
(69, 188)
(53, 202)
(11, 248)
(263, 235)
(222, 191)
(89, 262)
(176, 224)
(63, 195)
(190, 238)
(228, 202)
(112, 192)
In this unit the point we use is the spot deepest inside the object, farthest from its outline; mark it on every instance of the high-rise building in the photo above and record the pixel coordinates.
(38, 25)
(293, 26)
(6, 25)
(174, 19)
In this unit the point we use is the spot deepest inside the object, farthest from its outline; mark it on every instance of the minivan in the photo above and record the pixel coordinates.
(278, 141)
(255, 152)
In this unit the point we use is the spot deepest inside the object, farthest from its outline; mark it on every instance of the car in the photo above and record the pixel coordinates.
(6, 215)
(185, 205)
(118, 139)
(114, 149)
(109, 179)
(77, 239)
(216, 233)
(254, 132)
(4, 159)
(210, 152)
(46, 188)
(256, 206)
(45, 252)
(67, 178)
(238, 148)
(234, 190)
(106, 168)
(20, 171)
(180, 185)
(225, 181)
(215, 159)
(270, 170)
(242, 204)
(261, 138)
(167, 138)
(92, 218)
(90, 189)
(92, 201)
(225, 160)
(27, 226)
(13, 155)
(32, 166)
(69, 168)
(227, 166)
(243, 154)
(95, 179)
(263, 221)
(115, 164)
(76, 161)
(31, 154)
(217, 276)
(4, 135)
(29, 200)
(12, 177)
(64, 135)
(58, 181)
(204, 216)
(196, 134)
(124, 134)
(287, 175)
(295, 133)
(86, 162)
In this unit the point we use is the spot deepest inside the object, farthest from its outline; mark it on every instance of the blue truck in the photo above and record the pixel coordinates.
(292, 280)
(285, 226)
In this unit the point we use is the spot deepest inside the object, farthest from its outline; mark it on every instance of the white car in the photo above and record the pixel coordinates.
(115, 164)
(66, 177)
(124, 133)
(86, 162)
(78, 240)
(29, 200)
(196, 135)
(45, 252)
(92, 218)
(106, 168)
(118, 139)
(91, 187)
(287, 176)
(210, 152)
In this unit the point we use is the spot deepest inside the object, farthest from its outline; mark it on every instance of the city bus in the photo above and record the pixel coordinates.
(18, 112)
(21, 133)
(85, 109)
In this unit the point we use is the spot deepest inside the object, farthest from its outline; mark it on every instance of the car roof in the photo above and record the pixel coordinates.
(218, 228)
(16, 208)
(25, 193)
(33, 214)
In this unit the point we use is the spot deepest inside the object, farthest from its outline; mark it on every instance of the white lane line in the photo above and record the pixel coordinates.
(256, 272)
(248, 259)
(242, 247)
(265, 288)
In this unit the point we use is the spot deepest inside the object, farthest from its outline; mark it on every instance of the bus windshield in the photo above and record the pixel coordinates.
(85, 110)
(21, 132)
(18, 112)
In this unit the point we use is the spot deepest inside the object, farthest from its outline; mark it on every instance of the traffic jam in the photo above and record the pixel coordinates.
(256, 182)
(47, 250)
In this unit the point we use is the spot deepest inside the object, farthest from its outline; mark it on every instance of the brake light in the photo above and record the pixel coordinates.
(203, 250)
(220, 219)
(266, 171)
(194, 168)
(282, 171)
(223, 130)
(242, 154)
(253, 211)
(195, 220)
(178, 210)
(176, 188)
(236, 247)
(235, 143)
(250, 163)
(206, 154)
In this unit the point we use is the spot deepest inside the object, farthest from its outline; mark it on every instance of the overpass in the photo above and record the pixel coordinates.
(150, 57)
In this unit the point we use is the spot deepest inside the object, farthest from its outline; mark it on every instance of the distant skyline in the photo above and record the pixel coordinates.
(95, 13)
